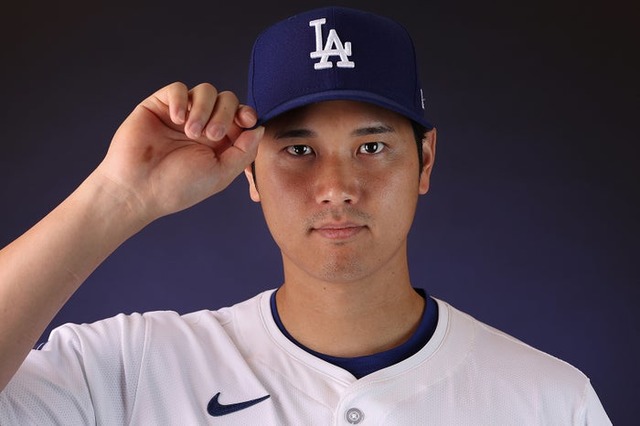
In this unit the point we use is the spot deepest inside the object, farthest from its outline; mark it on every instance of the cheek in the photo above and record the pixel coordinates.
(394, 183)
(282, 184)
(282, 196)
(397, 198)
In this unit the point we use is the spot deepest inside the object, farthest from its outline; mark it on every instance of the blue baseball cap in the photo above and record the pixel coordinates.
(335, 53)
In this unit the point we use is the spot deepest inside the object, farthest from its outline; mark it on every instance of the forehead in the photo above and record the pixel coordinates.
(338, 114)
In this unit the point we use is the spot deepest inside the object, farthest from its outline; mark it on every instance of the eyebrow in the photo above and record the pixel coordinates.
(373, 130)
(295, 133)
(362, 131)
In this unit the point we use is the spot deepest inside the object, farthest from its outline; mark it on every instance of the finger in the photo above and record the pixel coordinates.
(203, 98)
(238, 156)
(245, 118)
(177, 97)
(173, 99)
(222, 116)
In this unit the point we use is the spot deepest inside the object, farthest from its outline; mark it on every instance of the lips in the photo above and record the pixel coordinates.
(338, 231)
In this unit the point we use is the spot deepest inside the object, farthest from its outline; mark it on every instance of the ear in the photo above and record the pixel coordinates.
(428, 157)
(253, 189)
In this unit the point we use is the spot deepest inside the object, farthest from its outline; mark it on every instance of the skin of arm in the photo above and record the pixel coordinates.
(177, 148)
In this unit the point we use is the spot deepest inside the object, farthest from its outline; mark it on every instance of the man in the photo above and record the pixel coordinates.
(336, 149)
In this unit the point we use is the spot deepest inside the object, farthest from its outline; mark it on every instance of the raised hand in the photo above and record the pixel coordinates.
(175, 149)
(180, 146)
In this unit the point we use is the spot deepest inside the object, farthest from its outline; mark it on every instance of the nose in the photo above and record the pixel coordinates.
(336, 182)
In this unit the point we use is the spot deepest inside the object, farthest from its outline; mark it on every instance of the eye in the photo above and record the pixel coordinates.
(371, 148)
(299, 150)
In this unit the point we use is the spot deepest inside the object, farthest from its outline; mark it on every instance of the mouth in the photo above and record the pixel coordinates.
(338, 231)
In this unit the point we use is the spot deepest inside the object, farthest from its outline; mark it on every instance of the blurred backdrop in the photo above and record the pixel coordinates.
(531, 224)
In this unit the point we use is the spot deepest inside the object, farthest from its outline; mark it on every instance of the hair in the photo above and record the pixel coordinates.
(419, 133)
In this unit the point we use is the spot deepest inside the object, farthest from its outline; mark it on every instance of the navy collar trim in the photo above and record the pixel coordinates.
(364, 365)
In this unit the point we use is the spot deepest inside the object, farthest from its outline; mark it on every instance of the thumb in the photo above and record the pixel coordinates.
(243, 151)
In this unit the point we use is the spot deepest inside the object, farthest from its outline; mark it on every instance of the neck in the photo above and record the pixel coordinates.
(348, 319)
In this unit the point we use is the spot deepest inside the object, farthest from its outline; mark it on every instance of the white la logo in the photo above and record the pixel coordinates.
(333, 47)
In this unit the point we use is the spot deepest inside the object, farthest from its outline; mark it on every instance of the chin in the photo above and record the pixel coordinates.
(342, 272)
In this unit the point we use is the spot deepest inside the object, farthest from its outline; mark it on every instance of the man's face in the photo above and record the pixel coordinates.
(338, 183)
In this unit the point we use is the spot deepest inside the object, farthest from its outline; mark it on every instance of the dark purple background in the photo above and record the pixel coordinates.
(531, 224)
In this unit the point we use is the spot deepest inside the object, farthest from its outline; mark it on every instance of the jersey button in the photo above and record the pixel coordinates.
(354, 416)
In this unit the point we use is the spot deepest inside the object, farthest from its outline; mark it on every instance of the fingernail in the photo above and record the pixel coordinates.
(182, 114)
(249, 115)
(196, 129)
(216, 132)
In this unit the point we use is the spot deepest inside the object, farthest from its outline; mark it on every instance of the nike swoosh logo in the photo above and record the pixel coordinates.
(216, 409)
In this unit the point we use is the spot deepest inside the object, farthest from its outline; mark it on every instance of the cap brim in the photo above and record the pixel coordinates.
(351, 95)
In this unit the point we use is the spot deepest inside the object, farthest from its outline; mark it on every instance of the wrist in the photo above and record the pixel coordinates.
(116, 208)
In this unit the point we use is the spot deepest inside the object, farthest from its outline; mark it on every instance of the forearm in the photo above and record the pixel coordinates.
(41, 269)
(152, 169)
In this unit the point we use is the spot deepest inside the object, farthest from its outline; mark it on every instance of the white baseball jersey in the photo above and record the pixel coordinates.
(234, 366)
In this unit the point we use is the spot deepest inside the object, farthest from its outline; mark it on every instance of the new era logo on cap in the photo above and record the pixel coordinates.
(335, 53)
